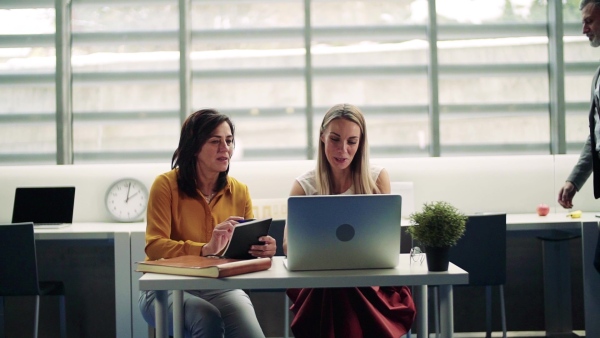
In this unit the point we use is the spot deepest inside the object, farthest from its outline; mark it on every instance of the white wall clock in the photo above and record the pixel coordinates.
(126, 200)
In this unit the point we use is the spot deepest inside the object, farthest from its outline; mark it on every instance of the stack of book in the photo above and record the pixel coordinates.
(199, 266)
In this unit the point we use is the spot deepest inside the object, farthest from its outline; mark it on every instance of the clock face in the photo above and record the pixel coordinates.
(126, 200)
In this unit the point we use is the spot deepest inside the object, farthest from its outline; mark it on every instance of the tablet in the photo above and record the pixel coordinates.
(245, 235)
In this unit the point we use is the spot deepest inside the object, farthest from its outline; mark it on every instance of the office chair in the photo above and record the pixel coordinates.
(482, 253)
(406, 244)
(18, 268)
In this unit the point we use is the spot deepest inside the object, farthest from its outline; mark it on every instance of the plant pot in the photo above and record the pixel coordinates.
(437, 258)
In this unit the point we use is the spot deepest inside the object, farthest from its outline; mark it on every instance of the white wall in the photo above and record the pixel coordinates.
(512, 184)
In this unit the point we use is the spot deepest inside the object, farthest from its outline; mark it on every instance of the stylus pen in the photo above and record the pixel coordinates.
(246, 220)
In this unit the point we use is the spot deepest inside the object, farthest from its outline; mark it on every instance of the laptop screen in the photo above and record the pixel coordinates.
(328, 232)
(44, 205)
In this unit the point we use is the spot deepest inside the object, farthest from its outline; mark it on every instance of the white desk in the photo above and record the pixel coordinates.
(557, 282)
(278, 277)
(129, 244)
(138, 254)
(119, 233)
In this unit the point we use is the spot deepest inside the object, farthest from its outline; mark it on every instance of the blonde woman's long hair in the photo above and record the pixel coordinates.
(360, 168)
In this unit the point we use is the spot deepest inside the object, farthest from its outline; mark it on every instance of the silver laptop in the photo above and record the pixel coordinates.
(331, 232)
(46, 207)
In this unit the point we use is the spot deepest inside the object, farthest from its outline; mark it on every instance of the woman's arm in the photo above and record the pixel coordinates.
(158, 229)
(383, 182)
(297, 190)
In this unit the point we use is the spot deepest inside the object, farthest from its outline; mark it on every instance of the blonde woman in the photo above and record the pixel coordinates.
(343, 168)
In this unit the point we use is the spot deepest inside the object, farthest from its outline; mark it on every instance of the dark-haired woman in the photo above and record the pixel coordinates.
(192, 210)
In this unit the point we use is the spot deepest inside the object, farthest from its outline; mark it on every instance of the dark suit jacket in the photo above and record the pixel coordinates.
(597, 258)
(588, 160)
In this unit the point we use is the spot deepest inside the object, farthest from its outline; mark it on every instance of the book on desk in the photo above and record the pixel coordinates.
(198, 266)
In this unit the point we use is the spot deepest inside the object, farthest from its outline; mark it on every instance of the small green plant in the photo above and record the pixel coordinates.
(439, 224)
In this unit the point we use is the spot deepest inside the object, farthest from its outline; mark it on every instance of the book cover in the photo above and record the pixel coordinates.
(245, 235)
(199, 266)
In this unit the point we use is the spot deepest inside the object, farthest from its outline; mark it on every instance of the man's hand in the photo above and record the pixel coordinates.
(565, 195)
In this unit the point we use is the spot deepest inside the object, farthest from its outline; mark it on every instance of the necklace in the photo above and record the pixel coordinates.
(208, 198)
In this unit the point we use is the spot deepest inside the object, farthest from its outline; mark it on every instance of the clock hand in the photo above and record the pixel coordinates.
(128, 188)
(130, 197)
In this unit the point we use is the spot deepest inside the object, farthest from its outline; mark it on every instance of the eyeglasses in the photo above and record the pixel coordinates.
(416, 255)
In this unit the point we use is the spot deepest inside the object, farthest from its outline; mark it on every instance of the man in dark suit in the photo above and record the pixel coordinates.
(589, 160)
(597, 259)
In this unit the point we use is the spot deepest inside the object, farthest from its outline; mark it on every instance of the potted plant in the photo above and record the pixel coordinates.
(437, 228)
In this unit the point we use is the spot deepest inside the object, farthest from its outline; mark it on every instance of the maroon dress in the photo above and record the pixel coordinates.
(352, 312)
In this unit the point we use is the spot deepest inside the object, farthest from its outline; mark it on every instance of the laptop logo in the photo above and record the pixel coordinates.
(345, 232)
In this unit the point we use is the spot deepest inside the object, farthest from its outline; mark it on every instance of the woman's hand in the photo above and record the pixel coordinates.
(220, 236)
(266, 250)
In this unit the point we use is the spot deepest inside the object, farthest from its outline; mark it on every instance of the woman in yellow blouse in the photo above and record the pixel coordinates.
(192, 210)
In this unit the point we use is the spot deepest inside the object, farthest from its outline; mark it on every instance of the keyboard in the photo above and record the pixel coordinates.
(50, 225)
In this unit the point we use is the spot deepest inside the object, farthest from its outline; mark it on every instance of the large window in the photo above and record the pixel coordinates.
(581, 62)
(125, 88)
(493, 77)
(373, 54)
(27, 90)
(455, 77)
(248, 62)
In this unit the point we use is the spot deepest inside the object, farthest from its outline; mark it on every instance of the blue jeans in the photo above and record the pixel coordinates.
(209, 313)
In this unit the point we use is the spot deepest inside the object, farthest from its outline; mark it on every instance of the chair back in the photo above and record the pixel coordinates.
(406, 240)
(18, 262)
(276, 231)
(482, 250)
